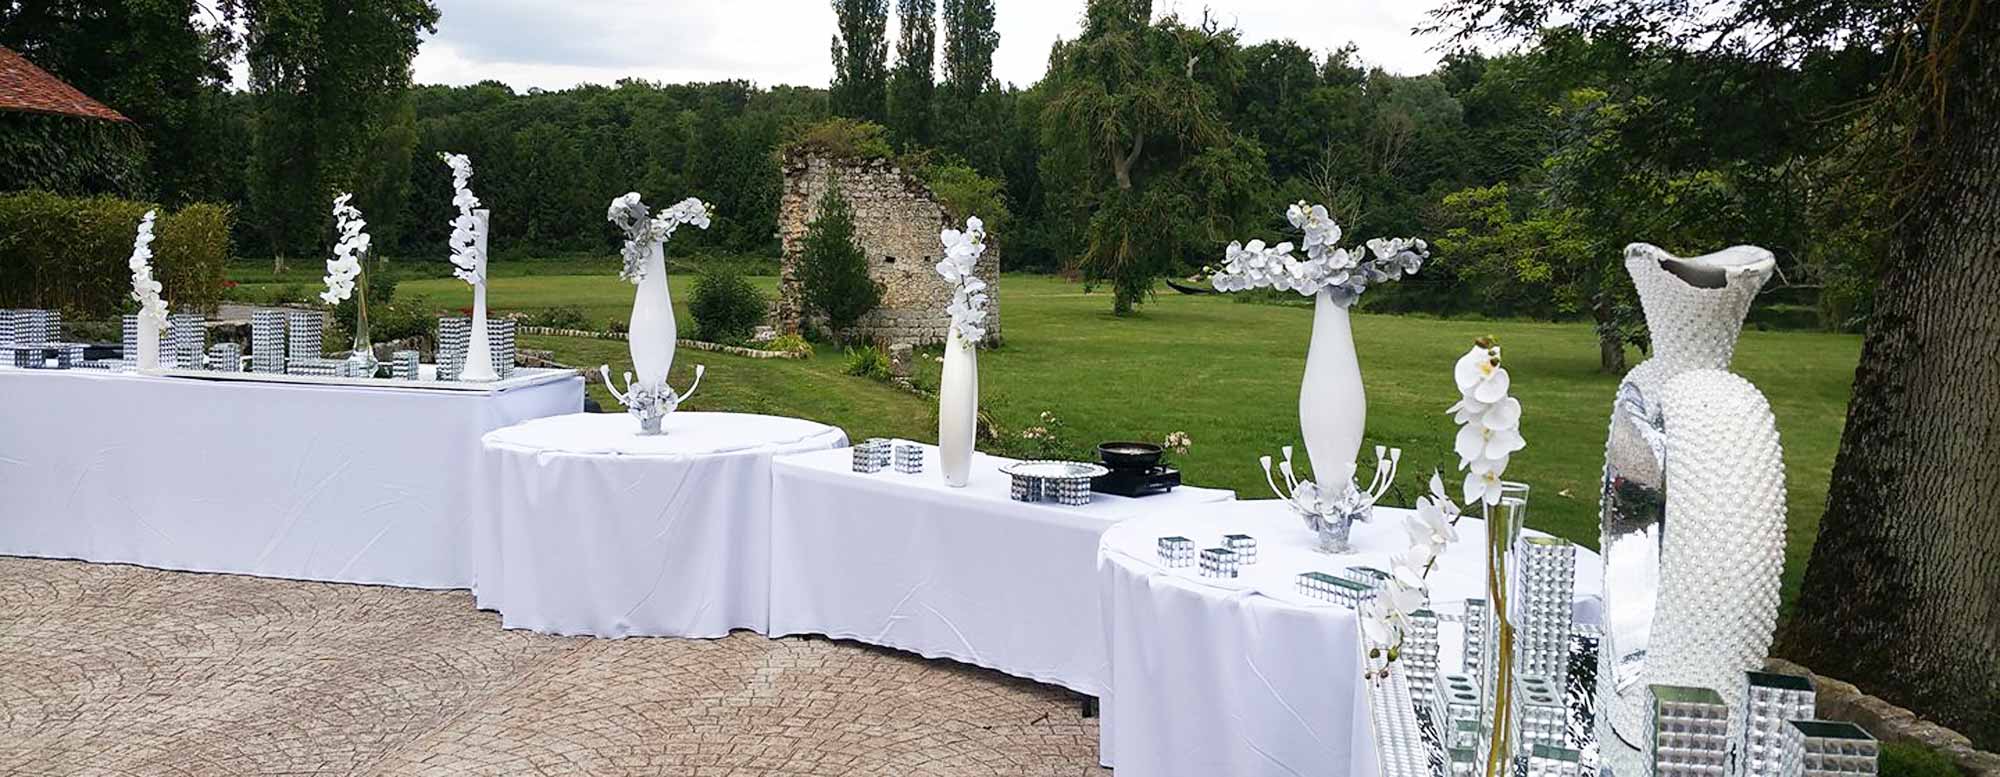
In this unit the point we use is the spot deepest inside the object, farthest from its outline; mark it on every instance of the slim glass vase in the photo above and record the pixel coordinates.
(363, 354)
(1504, 522)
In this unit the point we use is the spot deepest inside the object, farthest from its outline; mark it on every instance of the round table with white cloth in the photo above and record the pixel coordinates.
(1247, 677)
(588, 527)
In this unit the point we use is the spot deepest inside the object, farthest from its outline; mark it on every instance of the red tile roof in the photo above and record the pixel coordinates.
(24, 87)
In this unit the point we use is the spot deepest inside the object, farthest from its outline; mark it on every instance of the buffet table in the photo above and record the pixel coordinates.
(904, 561)
(1247, 677)
(343, 483)
(591, 528)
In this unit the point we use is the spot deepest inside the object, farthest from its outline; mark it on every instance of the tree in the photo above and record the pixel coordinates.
(966, 109)
(1138, 104)
(1902, 595)
(833, 272)
(322, 71)
(911, 86)
(861, 60)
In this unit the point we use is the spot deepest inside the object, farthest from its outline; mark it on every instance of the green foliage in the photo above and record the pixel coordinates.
(70, 155)
(860, 85)
(1047, 438)
(71, 254)
(833, 272)
(843, 138)
(964, 192)
(560, 317)
(725, 307)
(868, 362)
(789, 344)
(381, 296)
(1903, 759)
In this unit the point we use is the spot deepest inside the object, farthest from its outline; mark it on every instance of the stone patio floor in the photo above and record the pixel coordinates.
(120, 670)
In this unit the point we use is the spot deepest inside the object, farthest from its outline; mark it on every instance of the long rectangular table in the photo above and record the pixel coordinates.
(906, 562)
(356, 484)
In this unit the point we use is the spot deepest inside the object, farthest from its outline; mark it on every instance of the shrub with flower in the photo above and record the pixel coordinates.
(466, 231)
(145, 289)
(352, 244)
(1489, 433)
(641, 231)
(1343, 272)
(1177, 443)
(959, 267)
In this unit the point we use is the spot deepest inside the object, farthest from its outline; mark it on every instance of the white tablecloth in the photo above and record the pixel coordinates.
(591, 528)
(339, 483)
(905, 561)
(1210, 680)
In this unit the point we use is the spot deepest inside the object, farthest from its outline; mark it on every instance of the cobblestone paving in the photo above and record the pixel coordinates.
(118, 670)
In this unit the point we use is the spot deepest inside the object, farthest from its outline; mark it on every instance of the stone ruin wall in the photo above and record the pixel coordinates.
(896, 223)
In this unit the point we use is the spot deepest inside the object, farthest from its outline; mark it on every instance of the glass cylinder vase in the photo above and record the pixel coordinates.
(1504, 523)
(362, 356)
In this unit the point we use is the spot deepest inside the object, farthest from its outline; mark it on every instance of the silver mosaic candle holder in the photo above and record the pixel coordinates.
(1475, 636)
(1690, 733)
(305, 333)
(1822, 748)
(870, 456)
(1540, 715)
(909, 458)
(225, 357)
(453, 338)
(1546, 760)
(1544, 620)
(500, 339)
(6, 328)
(1420, 653)
(403, 365)
(1176, 552)
(315, 367)
(267, 340)
(29, 357)
(1218, 562)
(1771, 701)
(1458, 705)
(1367, 575)
(1243, 545)
(186, 342)
(1339, 590)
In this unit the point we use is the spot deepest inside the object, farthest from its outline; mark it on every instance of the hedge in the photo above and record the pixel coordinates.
(71, 253)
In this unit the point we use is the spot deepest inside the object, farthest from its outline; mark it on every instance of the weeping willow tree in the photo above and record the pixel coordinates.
(1162, 177)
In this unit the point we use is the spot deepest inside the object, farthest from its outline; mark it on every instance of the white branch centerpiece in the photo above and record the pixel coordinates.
(652, 334)
(958, 387)
(146, 291)
(1332, 405)
(469, 230)
(346, 277)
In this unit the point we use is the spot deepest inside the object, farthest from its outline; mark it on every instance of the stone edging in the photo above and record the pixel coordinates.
(1838, 700)
(698, 345)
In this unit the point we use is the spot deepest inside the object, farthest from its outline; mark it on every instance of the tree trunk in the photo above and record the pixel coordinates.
(1610, 339)
(1902, 595)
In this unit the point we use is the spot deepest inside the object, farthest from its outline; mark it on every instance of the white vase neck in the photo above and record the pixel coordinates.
(1695, 306)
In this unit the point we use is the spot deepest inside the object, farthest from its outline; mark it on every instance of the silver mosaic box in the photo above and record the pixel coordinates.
(1339, 590)
(454, 335)
(1458, 702)
(225, 357)
(1244, 545)
(1771, 701)
(305, 335)
(1420, 653)
(185, 343)
(1218, 562)
(267, 341)
(1545, 760)
(403, 365)
(1544, 621)
(1823, 748)
(909, 458)
(1475, 636)
(1690, 732)
(1540, 714)
(1176, 551)
(1368, 576)
(318, 367)
(871, 455)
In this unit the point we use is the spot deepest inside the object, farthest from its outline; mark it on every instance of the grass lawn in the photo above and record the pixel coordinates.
(1227, 373)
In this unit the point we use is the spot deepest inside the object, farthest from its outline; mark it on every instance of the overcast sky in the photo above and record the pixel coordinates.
(554, 44)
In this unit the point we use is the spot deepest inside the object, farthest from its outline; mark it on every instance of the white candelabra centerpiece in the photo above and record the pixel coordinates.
(146, 291)
(958, 387)
(1331, 512)
(344, 278)
(1333, 408)
(469, 231)
(651, 334)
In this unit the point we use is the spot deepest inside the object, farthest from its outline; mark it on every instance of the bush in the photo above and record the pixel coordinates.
(843, 137)
(71, 254)
(868, 362)
(833, 273)
(1900, 759)
(381, 294)
(964, 192)
(790, 344)
(560, 317)
(725, 307)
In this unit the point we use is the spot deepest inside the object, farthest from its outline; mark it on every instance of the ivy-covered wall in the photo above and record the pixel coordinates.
(71, 155)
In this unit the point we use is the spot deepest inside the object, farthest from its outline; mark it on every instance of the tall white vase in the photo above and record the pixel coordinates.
(1693, 494)
(1332, 408)
(958, 409)
(148, 358)
(479, 352)
(652, 334)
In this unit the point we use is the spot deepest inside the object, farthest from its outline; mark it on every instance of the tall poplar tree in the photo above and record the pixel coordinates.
(911, 86)
(860, 88)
